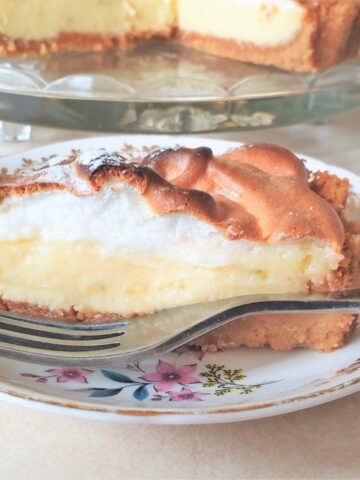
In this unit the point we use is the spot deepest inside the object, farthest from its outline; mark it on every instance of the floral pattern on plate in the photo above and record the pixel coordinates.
(164, 382)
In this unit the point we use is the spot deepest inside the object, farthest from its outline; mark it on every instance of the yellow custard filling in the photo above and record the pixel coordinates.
(65, 275)
(251, 21)
(245, 21)
(38, 19)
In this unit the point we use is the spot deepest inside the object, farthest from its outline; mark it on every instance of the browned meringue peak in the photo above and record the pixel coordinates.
(272, 159)
(267, 182)
(258, 192)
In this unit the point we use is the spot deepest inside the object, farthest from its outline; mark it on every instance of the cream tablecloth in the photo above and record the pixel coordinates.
(323, 442)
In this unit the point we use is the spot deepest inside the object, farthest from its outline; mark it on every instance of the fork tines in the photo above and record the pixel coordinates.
(29, 335)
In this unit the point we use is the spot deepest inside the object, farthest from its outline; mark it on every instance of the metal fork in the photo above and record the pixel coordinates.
(73, 344)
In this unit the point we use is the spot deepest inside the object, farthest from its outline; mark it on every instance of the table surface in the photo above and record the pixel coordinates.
(319, 443)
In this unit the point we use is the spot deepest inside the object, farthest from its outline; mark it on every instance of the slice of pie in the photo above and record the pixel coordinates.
(300, 35)
(95, 237)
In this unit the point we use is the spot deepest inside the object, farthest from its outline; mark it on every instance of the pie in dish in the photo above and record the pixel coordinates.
(95, 237)
(300, 35)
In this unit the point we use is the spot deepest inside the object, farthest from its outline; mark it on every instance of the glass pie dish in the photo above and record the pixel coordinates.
(165, 88)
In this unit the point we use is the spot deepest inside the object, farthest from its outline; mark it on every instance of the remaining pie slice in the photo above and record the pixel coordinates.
(31, 27)
(300, 35)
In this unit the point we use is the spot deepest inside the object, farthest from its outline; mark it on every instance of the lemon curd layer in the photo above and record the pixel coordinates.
(39, 19)
(257, 22)
(88, 278)
(251, 21)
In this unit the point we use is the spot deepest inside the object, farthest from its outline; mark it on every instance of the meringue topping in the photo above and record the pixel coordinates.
(258, 192)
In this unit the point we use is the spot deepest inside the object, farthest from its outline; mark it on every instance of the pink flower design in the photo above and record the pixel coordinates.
(70, 374)
(186, 395)
(167, 375)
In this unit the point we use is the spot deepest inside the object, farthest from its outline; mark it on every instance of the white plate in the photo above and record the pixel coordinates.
(217, 387)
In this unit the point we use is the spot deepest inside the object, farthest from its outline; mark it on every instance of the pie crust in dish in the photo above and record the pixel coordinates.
(298, 35)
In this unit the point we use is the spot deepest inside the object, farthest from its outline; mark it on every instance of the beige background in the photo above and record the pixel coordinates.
(320, 443)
